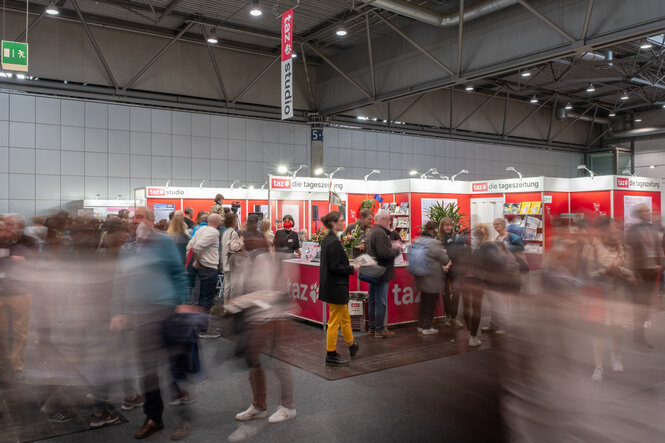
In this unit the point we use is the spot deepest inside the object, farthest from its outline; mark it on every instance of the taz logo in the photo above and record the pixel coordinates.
(156, 192)
(479, 187)
(622, 182)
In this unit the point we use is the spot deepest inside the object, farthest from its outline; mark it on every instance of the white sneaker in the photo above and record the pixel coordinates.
(430, 331)
(419, 329)
(598, 374)
(456, 323)
(474, 341)
(251, 413)
(242, 433)
(282, 414)
(617, 364)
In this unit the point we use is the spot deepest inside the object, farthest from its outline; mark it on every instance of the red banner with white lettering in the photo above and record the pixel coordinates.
(287, 64)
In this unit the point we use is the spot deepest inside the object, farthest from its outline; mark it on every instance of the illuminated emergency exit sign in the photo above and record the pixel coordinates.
(14, 56)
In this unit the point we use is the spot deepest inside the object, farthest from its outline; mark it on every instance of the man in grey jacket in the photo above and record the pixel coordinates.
(380, 247)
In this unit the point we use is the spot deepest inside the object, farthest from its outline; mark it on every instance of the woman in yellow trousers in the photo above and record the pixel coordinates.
(334, 288)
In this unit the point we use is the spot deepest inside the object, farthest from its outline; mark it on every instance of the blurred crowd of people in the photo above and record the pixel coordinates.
(142, 291)
(121, 299)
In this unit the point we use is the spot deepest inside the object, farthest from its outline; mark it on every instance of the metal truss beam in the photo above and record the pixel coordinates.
(565, 128)
(553, 25)
(529, 115)
(218, 74)
(476, 109)
(342, 73)
(257, 78)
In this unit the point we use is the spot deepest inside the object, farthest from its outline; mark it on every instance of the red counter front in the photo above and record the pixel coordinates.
(402, 304)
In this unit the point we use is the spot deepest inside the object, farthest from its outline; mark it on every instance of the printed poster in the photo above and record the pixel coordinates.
(629, 202)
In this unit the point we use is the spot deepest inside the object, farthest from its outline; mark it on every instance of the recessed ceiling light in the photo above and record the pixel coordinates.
(341, 32)
(52, 9)
(526, 74)
(624, 96)
(590, 88)
(255, 11)
(468, 88)
(568, 107)
(533, 100)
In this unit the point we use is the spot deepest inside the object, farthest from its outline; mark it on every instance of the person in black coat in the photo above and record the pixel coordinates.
(334, 288)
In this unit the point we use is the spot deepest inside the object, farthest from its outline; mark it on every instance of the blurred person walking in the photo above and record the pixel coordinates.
(334, 289)
(231, 244)
(17, 251)
(432, 284)
(264, 304)
(149, 284)
(647, 264)
(379, 247)
(609, 275)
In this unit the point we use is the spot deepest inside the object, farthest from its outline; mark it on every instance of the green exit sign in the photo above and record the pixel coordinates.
(14, 56)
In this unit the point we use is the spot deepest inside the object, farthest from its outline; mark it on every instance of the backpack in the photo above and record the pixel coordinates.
(419, 263)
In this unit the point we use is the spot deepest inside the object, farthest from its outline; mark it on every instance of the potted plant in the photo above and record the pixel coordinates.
(452, 211)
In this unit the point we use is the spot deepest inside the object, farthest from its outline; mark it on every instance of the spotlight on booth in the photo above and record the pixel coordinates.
(201, 184)
(235, 182)
(282, 169)
(264, 185)
(463, 171)
(320, 171)
(423, 176)
(583, 167)
(627, 172)
(374, 171)
(168, 182)
(512, 168)
(443, 177)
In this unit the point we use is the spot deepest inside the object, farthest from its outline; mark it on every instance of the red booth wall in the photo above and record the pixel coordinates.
(592, 204)
(655, 203)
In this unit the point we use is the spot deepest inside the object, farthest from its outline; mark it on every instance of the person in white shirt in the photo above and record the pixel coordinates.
(205, 247)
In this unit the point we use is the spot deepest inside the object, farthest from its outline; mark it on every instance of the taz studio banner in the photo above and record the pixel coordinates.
(287, 64)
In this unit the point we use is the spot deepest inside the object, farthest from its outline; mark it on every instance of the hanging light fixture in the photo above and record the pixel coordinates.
(212, 37)
(612, 114)
(590, 88)
(568, 107)
(526, 73)
(645, 45)
(341, 31)
(468, 88)
(533, 100)
(255, 11)
(637, 119)
(624, 96)
(52, 9)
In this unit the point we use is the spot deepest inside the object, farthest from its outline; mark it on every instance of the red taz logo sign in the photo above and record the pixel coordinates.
(479, 187)
(156, 192)
(281, 183)
(622, 182)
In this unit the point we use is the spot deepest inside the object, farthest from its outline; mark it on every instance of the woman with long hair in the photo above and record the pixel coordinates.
(266, 230)
(177, 230)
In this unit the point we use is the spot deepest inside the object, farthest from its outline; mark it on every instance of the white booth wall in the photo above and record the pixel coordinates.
(56, 150)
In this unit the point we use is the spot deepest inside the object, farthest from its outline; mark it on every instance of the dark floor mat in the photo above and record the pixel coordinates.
(305, 349)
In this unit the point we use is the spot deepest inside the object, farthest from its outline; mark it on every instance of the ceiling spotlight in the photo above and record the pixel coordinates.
(526, 73)
(568, 107)
(255, 11)
(590, 88)
(212, 38)
(591, 173)
(624, 96)
(468, 88)
(533, 100)
(612, 114)
(341, 31)
(637, 119)
(645, 45)
(52, 9)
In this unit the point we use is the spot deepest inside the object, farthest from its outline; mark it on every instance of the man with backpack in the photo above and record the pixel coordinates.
(427, 259)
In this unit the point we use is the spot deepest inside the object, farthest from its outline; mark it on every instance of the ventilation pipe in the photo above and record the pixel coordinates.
(640, 132)
(562, 114)
(434, 18)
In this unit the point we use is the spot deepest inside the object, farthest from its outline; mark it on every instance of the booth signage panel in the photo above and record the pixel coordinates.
(305, 184)
(637, 184)
(527, 184)
(204, 193)
(303, 288)
(287, 64)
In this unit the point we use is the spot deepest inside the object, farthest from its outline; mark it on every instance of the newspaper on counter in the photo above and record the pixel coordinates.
(364, 260)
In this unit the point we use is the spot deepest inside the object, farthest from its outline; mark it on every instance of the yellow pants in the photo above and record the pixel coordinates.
(339, 318)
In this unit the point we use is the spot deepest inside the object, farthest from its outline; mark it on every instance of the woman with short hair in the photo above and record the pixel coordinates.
(334, 280)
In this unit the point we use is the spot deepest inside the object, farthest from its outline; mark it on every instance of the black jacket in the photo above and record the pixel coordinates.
(286, 241)
(334, 272)
(381, 249)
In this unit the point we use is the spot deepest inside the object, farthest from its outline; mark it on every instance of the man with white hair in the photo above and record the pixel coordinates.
(16, 251)
(379, 246)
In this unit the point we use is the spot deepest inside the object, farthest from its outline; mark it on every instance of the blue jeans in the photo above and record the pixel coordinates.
(205, 286)
(378, 297)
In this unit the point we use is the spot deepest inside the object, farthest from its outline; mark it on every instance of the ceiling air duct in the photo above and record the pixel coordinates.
(434, 18)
